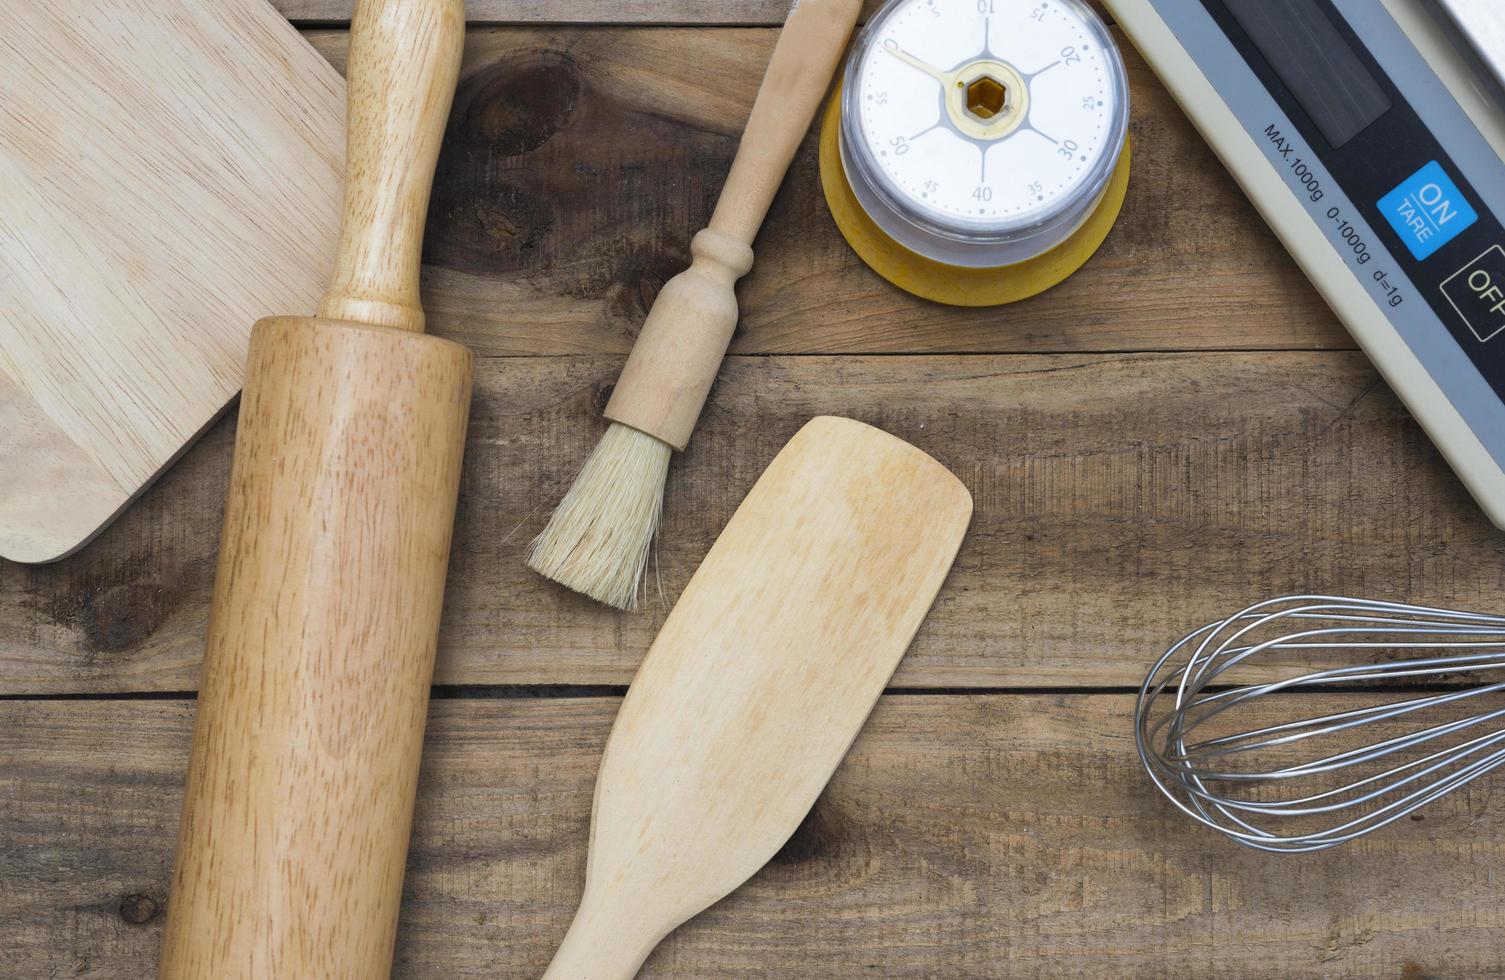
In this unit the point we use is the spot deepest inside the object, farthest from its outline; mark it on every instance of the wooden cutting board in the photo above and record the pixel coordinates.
(170, 171)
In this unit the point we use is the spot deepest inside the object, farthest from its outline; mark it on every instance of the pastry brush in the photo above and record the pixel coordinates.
(598, 538)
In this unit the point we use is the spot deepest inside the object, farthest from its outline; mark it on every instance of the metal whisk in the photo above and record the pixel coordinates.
(1317, 780)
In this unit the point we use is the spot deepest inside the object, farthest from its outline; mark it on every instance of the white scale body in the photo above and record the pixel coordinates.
(1370, 136)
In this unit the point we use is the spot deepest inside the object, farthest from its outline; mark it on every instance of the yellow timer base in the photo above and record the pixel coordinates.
(952, 284)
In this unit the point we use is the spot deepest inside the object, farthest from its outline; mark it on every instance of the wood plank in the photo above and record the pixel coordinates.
(1121, 500)
(579, 163)
(984, 836)
(728, 12)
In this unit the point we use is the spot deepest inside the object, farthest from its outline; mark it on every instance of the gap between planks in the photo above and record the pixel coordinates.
(579, 163)
(675, 13)
(1121, 501)
(545, 692)
(988, 836)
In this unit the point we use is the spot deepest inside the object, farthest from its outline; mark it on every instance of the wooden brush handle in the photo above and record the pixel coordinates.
(314, 689)
(404, 60)
(805, 58)
(674, 361)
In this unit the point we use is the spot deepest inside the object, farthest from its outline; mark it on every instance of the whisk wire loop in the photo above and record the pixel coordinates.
(1362, 769)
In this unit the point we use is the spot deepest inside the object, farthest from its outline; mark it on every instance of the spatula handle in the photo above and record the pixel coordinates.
(675, 359)
(605, 942)
(404, 60)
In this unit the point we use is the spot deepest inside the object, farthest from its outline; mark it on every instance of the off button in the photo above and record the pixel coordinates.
(1477, 292)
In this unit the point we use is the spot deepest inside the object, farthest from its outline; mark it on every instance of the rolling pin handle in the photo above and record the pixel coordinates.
(404, 62)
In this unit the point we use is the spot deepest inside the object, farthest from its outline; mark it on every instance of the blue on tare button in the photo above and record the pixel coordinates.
(1427, 210)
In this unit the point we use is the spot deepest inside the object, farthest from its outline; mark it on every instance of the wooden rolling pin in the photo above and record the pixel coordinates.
(337, 529)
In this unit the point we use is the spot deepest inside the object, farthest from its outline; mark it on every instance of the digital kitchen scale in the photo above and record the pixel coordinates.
(1369, 134)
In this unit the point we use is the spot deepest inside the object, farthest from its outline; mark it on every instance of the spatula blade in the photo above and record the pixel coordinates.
(759, 681)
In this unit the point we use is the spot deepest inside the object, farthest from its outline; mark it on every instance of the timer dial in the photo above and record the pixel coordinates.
(982, 132)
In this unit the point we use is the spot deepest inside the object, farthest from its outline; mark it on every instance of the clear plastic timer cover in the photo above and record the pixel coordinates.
(982, 132)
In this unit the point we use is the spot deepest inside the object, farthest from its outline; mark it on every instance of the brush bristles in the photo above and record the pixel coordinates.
(598, 539)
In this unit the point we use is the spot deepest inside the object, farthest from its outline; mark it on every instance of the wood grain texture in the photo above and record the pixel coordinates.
(777, 651)
(336, 540)
(53, 493)
(981, 836)
(743, 13)
(728, 12)
(320, 653)
(685, 335)
(169, 173)
(402, 73)
(579, 164)
(1121, 500)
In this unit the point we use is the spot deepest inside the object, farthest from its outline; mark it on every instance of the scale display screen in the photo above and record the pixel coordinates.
(1319, 68)
(1371, 166)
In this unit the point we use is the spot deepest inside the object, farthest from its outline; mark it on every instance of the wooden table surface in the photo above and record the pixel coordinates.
(1180, 429)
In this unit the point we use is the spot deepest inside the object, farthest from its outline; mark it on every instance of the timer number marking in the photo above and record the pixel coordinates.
(925, 161)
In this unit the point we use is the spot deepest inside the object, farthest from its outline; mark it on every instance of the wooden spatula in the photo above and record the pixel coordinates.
(759, 681)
